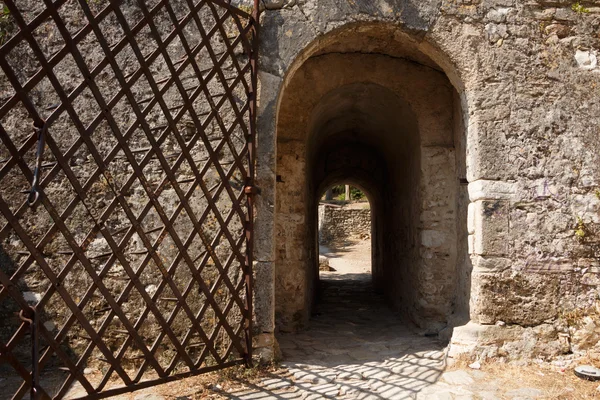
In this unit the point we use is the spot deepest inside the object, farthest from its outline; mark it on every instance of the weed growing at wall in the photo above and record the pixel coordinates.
(578, 8)
(580, 230)
(5, 24)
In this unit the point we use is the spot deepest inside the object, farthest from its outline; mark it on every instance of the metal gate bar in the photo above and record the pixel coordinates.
(167, 197)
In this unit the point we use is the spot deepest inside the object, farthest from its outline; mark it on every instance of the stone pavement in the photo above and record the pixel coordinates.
(358, 348)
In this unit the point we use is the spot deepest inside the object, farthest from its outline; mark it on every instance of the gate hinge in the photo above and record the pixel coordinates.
(251, 190)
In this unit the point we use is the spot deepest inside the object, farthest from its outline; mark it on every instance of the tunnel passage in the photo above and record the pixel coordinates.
(393, 126)
(365, 135)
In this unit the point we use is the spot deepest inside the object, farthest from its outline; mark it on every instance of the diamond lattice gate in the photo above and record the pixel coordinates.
(126, 178)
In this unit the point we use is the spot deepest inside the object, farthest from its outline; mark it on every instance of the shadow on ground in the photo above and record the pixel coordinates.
(340, 249)
(356, 348)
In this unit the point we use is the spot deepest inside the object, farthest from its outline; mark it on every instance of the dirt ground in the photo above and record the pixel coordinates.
(347, 257)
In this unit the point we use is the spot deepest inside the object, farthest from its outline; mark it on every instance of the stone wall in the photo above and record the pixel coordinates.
(339, 223)
(526, 78)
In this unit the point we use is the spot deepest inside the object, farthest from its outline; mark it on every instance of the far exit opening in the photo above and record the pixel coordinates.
(344, 234)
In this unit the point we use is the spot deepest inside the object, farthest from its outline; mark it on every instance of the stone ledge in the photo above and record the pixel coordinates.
(514, 342)
(490, 264)
(491, 190)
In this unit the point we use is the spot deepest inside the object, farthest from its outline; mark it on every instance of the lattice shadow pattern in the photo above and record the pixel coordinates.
(126, 176)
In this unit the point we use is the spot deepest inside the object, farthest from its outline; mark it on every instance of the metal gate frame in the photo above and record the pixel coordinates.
(40, 175)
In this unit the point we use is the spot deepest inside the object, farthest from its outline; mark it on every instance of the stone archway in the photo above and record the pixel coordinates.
(367, 105)
(520, 135)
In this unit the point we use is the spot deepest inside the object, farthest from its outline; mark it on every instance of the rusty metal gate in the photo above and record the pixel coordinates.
(126, 183)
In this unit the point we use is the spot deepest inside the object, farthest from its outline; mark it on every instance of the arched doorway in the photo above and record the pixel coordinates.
(366, 105)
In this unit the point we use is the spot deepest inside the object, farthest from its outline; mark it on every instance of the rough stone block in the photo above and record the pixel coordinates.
(587, 207)
(514, 297)
(433, 239)
(264, 296)
(588, 334)
(438, 173)
(263, 340)
(265, 166)
(487, 158)
(491, 220)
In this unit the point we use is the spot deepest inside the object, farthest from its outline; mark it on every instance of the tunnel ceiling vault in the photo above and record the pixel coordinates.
(374, 89)
(363, 112)
(380, 38)
(356, 132)
(350, 163)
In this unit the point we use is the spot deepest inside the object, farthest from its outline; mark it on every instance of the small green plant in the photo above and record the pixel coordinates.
(356, 193)
(597, 193)
(580, 229)
(5, 24)
(578, 8)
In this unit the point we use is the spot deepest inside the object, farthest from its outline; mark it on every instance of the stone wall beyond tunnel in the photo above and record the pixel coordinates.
(339, 223)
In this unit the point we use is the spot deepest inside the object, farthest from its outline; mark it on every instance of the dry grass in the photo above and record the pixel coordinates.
(556, 383)
(212, 385)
